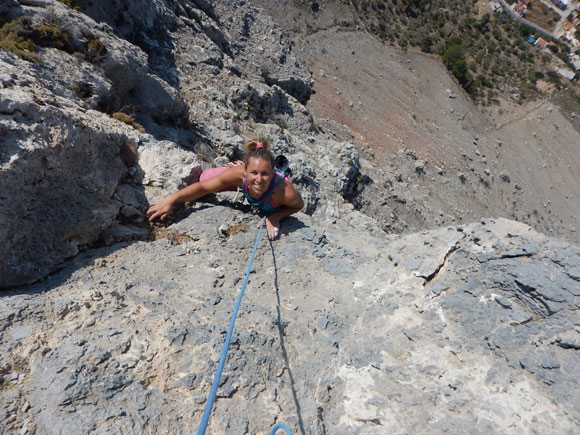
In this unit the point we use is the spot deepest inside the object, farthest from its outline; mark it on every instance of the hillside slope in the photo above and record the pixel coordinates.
(455, 161)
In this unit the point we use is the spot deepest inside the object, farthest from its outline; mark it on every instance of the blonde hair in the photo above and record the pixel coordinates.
(259, 149)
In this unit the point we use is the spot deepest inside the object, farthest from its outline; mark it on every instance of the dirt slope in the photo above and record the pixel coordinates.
(455, 161)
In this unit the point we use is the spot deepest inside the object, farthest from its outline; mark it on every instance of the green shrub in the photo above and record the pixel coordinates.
(487, 63)
(454, 60)
(426, 44)
(487, 82)
(553, 77)
(22, 38)
(416, 4)
(403, 42)
(525, 31)
(13, 38)
(48, 35)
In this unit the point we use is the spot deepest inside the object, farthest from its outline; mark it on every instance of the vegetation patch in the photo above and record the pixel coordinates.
(129, 120)
(175, 237)
(22, 38)
(48, 35)
(454, 60)
(241, 227)
(13, 37)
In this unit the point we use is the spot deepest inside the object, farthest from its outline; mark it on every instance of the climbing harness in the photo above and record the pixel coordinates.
(281, 164)
(223, 357)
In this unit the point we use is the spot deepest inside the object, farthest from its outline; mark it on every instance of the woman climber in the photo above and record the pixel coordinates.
(264, 187)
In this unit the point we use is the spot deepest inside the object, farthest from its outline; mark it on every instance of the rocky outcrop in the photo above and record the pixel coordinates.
(60, 168)
(339, 332)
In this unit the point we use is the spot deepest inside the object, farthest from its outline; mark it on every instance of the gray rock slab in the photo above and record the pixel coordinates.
(130, 337)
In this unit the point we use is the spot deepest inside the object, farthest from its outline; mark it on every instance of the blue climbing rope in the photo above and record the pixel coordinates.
(218, 375)
(280, 426)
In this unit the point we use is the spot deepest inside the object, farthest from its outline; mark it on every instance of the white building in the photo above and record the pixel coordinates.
(567, 72)
(575, 62)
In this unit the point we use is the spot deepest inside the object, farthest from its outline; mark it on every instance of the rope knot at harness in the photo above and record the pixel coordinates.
(210, 401)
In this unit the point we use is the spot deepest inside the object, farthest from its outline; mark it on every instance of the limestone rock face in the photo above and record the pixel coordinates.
(60, 168)
(258, 43)
(182, 72)
(111, 325)
(339, 332)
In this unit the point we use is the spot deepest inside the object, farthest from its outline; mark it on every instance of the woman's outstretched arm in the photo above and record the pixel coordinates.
(162, 208)
(291, 203)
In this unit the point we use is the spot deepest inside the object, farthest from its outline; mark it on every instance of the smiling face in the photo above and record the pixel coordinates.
(259, 173)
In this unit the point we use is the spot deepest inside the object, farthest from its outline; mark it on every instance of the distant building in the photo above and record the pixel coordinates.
(541, 43)
(575, 62)
(562, 4)
(570, 38)
(520, 8)
(547, 47)
(568, 73)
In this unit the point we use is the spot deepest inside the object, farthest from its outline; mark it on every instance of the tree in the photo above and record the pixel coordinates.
(454, 60)
(417, 4)
(426, 44)
(525, 31)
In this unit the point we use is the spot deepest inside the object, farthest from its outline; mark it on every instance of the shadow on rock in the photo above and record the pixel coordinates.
(280, 325)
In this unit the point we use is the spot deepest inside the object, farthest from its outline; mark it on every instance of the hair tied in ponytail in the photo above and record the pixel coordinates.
(259, 145)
